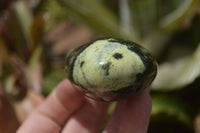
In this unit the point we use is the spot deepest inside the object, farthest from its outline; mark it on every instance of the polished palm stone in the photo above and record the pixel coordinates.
(108, 69)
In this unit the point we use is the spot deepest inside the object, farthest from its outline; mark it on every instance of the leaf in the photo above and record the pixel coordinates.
(176, 75)
(157, 20)
(170, 109)
(155, 42)
(55, 16)
(95, 15)
(24, 18)
(172, 20)
(37, 29)
(3, 54)
(18, 29)
(33, 70)
(110, 110)
(126, 19)
(144, 15)
(35, 57)
(52, 79)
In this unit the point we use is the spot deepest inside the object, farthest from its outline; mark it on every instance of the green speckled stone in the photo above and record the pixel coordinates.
(108, 69)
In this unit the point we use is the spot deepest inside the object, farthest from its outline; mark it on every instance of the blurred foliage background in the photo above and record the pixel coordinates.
(36, 34)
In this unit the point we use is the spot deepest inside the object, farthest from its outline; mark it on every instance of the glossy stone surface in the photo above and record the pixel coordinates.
(108, 69)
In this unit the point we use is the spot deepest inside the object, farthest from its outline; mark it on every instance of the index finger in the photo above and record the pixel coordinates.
(52, 114)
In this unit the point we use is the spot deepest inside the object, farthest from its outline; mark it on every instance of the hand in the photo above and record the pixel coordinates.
(66, 110)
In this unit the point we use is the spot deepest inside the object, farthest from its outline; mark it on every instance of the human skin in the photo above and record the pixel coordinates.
(66, 110)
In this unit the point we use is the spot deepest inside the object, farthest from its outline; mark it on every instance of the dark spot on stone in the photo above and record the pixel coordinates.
(106, 68)
(82, 62)
(118, 56)
(139, 76)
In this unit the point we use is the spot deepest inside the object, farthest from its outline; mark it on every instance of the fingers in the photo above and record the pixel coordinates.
(131, 115)
(57, 108)
(67, 105)
(88, 119)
